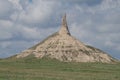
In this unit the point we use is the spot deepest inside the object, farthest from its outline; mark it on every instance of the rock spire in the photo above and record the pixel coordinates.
(64, 47)
(64, 28)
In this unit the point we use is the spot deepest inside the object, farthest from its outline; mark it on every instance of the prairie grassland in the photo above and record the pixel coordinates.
(50, 69)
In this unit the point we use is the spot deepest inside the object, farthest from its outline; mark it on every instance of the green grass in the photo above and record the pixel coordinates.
(50, 69)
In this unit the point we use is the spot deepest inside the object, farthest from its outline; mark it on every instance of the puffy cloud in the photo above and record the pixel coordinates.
(28, 32)
(16, 4)
(36, 12)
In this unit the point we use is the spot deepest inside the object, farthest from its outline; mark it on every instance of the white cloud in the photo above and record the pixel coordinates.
(30, 33)
(110, 4)
(16, 4)
(37, 12)
(24, 12)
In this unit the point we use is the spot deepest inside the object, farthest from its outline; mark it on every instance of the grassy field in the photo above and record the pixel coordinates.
(48, 69)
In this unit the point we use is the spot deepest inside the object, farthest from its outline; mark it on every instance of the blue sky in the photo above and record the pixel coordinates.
(24, 23)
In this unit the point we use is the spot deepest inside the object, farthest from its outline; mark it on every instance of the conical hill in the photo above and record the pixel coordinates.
(64, 47)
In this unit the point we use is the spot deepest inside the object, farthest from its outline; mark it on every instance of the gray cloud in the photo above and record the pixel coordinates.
(6, 9)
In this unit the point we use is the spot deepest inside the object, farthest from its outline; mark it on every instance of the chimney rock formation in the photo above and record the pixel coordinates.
(63, 47)
(64, 28)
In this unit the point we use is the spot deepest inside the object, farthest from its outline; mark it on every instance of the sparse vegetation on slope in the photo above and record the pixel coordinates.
(34, 47)
(49, 69)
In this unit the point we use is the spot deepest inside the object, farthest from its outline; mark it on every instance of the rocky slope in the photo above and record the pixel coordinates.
(64, 47)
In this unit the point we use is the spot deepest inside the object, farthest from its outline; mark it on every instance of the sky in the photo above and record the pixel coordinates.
(24, 23)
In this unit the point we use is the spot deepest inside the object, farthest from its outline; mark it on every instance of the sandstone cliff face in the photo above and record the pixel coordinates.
(64, 47)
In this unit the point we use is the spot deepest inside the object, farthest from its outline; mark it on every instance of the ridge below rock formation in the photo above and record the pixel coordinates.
(64, 47)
